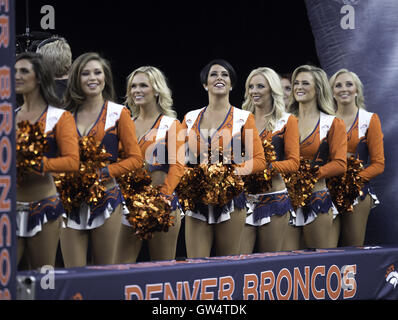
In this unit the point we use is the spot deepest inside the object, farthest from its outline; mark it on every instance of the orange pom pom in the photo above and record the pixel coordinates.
(31, 144)
(301, 183)
(84, 185)
(344, 189)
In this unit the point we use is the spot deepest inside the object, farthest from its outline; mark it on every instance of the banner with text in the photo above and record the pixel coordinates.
(333, 274)
(7, 152)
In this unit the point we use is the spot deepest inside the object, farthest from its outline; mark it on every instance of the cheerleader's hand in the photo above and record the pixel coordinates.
(37, 167)
(236, 169)
(315, 169)
(103, 174)
(271, 169)
(165, 198)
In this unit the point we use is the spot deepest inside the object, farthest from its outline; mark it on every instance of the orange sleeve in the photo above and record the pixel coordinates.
(254, 149)
(176, 157)
(337, 140)
(292, 148)
(376, 149)
(68, 146)
(132, 151)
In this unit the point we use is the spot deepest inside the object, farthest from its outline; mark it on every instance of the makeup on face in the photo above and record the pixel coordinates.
(304, 87)
(344, 89)
(218, 80)
(92, 78)
(141, 89)
(259, 90)
(25, 77)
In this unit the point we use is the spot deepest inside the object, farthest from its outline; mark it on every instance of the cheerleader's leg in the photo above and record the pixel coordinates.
(335, 233)
(271, 235)
(104, 238)
(248, 239)
(293, 239)
(74, 245)
(21, 243)
(198, 237)
(317, 233)
(128, 245)
(163, 245)
(42, 247)
(228, 233)
(353, 224)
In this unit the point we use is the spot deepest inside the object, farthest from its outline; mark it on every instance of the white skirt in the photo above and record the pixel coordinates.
(22, 217)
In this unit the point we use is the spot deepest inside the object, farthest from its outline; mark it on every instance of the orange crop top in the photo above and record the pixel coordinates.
(114, 125)
(60, 128)
(232, 133)
(163, 149)
(286, 141)
(326, 146)
(365, 140)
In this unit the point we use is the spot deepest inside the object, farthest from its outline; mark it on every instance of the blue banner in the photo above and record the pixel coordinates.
(333, 274)
(362, 37)
(7, 152)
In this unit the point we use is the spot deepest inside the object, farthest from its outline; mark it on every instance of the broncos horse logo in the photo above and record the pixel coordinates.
(392, 278)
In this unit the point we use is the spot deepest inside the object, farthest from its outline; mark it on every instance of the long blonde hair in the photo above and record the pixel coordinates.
(324, 99)
(359, 99)
(159, 84)
(278, 105)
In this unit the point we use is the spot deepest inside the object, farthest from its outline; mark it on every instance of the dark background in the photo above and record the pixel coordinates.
(181, 37)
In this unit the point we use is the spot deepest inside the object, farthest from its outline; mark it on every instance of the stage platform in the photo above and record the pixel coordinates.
(352, 273)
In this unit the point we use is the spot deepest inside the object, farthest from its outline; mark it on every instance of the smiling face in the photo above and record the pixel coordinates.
(25, 77)
(218, 80)
(92, 78)
(260, 90)
(141, 90)
(344, 89)
(304, 87)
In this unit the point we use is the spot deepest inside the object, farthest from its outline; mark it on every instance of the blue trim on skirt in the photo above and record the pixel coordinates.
(238, 201)
(175, 203)
(320, 202)
(112, 197)
(50, 207)
(366, 189)
(272, 204)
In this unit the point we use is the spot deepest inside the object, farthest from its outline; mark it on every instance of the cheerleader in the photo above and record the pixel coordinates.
(365, 142)
(89, 96)
(161, 140)
(323, 141)
(39, 208)
(220, 125)
(286, 87)
(270, 212)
